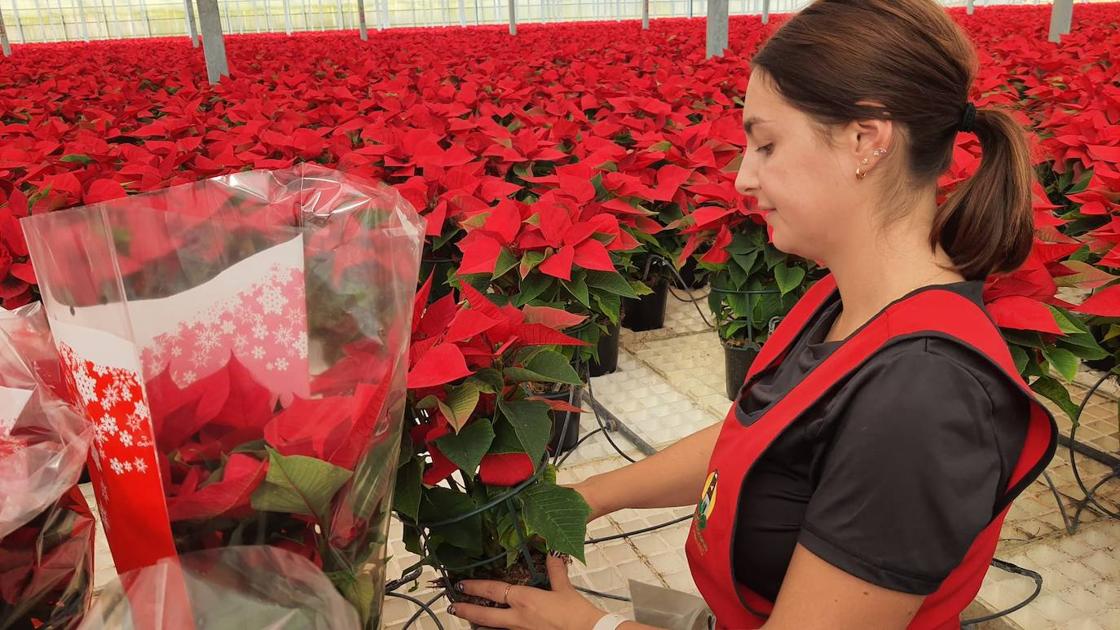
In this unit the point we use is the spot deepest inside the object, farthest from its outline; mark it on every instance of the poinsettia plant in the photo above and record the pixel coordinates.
(562, 250)
(474, 488)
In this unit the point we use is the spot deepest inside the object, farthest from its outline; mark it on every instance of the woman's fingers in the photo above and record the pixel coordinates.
(558, 572)
(495, 591)
(485, 615)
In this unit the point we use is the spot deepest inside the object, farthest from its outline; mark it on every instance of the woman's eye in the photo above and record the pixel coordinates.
(766, 149)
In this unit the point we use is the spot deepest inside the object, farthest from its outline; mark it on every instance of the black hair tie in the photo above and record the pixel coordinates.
(968, 118)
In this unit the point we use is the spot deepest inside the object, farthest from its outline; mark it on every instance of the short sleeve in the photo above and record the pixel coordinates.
(911, 477)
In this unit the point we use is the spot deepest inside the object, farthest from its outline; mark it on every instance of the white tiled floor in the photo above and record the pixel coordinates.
(670, 383)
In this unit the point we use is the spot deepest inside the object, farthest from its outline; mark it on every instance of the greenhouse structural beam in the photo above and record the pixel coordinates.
(645, 15)
(288, 16)
(717, 28)
(765, 11)
(213, 43)
(512, 17)
(462, 13)
(970, 7)
(192, 26)
(362, 21)
(4, 45)
(1061, 18)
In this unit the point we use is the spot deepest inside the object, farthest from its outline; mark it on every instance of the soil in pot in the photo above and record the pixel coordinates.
(519, 574)
(737, 360)
(648, 311)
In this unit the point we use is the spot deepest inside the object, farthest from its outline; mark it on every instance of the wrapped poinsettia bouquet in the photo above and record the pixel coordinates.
(239, 346)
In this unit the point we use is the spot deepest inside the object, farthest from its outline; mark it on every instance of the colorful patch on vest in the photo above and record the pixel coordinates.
(705, 508)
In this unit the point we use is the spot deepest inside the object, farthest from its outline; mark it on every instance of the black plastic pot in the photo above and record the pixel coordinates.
(648, 311)
(560, 419)
(608, 352)
(737, 361)
(688, 274)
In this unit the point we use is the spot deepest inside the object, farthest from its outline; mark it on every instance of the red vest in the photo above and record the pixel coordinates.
(929, 312)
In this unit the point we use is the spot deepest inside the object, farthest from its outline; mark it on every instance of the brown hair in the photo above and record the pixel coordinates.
(836, 56)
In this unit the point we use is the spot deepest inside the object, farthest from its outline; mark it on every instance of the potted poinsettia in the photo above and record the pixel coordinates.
(561, 249)
(474, 489)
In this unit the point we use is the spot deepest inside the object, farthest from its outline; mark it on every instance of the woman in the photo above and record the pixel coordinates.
(884, 426)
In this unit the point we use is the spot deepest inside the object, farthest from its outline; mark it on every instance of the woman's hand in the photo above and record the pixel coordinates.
(562, 608)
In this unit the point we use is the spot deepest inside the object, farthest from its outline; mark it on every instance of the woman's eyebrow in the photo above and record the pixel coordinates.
(751, 121)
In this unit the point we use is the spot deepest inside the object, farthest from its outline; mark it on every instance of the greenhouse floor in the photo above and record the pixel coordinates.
(670, 383)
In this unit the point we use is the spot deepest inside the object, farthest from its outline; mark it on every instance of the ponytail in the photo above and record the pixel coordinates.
(987, 224)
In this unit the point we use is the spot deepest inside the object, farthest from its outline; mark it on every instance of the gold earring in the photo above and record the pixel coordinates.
(860, 173)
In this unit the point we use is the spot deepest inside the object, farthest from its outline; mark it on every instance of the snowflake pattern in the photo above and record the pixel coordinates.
(264, 327)
(121, 419)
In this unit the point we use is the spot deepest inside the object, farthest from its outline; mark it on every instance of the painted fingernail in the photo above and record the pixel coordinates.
(451, 610)
(459, 587)
(555, 554)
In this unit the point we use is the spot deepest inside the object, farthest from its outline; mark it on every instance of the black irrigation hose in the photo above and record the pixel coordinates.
(424, 608)
(635, 532)
(1010, 568)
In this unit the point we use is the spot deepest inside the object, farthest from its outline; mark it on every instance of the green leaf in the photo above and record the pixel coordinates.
(406, 498)
(441, 504)
(529, 261)
(467, 447)
(554, 366)
(461, 403)
(578, 287)
(608, 304)
(532, 424)
(1055, 391)
(611, 282)
(297, 484)
(76, 158)
(788, 278)
(553, 371)
(506, 261)
(532, 287)
(1066, 323)
(1020, 357)
(1064, 361)
(559, 515)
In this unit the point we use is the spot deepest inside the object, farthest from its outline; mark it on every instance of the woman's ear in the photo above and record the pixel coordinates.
(863, 137)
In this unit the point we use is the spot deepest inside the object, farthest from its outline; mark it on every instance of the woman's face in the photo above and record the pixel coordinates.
(805, 182)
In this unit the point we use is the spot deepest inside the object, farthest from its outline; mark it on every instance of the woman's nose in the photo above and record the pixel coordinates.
(746, 180)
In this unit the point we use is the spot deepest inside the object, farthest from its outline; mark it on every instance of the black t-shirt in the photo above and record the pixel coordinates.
(891, 475)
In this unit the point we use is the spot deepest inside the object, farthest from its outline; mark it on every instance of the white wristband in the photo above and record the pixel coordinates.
(610, 621)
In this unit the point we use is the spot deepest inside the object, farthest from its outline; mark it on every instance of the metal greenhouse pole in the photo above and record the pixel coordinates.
(288, 16)
(462, 13)
(645, 15)
(512, 17)
(4, 45)
(82, 20)
(765, 11)
(192, 27)
(1061, 17)
(362, 21)
(717, 28)
(214, 44)
(970, 7)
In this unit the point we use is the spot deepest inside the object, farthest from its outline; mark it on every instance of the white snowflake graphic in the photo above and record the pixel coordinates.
(116, 465)
(239, 342)
(86, 385)
(281, 364)
(126, 438)
(260, 331)
(108, 425)
(227, 327)
(187, 377)
(301, 347)
(258, 353)
(176, 351)
(141, 410)
(110, 396)
(128, 466)
(272, 301)
(125, 392)
(208, 339)
(283, 337)
(140, 465)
